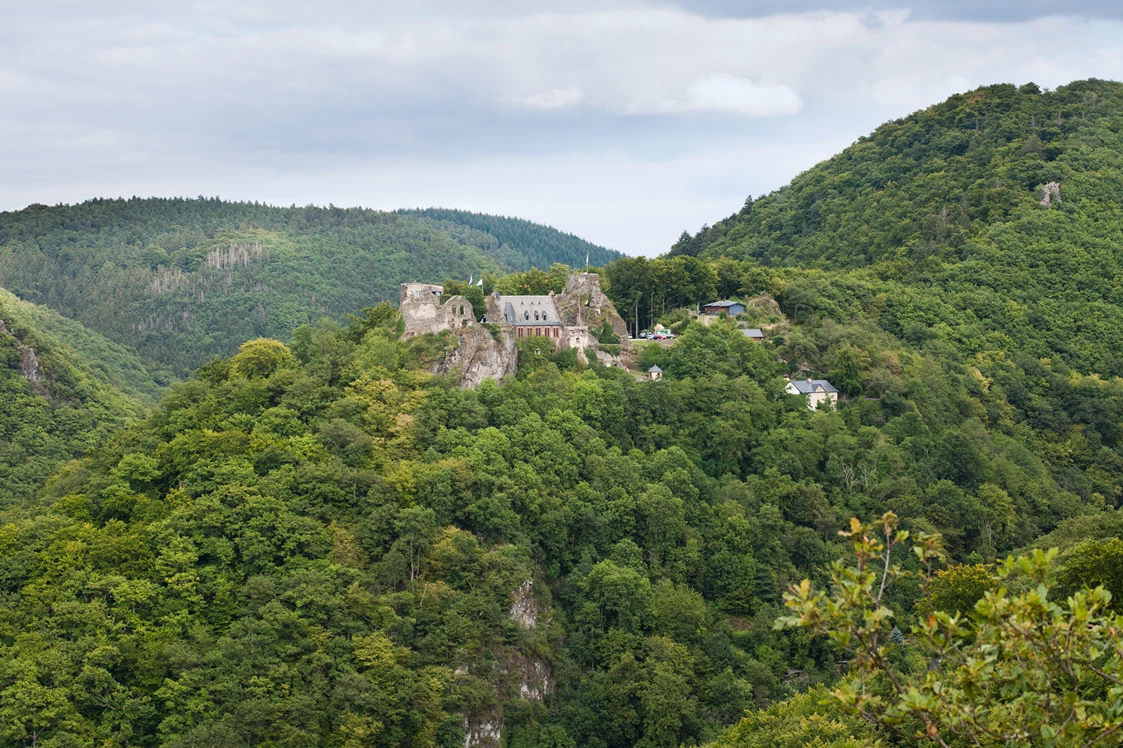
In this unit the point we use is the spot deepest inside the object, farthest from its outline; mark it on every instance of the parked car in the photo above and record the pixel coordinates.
(647, 335)
(664, 335)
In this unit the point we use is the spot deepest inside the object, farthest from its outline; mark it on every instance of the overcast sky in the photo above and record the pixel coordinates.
(622, 121)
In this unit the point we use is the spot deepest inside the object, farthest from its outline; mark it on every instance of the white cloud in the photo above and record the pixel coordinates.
(277, 96)
(721, 92)
(555, 98)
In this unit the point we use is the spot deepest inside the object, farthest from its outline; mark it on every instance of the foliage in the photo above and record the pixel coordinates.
(531, 244)
(323, 544)
(644, 290)
(90, 387)
(185, 280)
(804, 721)
(1097, 563)
(933, 227)
(958, 588)
(605, 334)
(1022, 668)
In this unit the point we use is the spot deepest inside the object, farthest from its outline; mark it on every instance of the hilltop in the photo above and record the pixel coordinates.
(185, 280)
(991, 221)
(331, 543)
(537, 245)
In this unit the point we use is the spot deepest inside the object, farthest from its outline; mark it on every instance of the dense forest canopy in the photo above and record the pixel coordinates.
(322, 543)
(63, 391)
(934, 227)
(183, 280)
(541, 246)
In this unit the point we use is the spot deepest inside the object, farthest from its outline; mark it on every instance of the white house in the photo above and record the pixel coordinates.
(818, 391)
(655, 373)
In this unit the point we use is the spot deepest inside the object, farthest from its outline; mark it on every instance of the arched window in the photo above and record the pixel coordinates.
(461, 309)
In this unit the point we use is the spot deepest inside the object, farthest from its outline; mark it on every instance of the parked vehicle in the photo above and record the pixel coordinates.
(663, 335)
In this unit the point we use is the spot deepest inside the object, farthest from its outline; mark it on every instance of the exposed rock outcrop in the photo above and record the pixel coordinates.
(533, 678)
(516, 672)
(483, 732)
(479, 356)
(30, 369)
(1050, 193)
(524, 609)
(584, 303)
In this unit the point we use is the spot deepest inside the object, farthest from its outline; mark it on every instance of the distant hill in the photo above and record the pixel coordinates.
(528, 244)
(63, 391)
(184, 280)
(991, 221)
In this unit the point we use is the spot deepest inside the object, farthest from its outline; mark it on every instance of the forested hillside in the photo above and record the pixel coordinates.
(985, 237)
(322, 543)
(539, 246)
(992, 221)
(184, 280)
(63, 391)
(327, 546)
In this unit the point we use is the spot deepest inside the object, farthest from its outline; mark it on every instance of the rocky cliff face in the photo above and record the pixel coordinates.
(518, 672)
(480, 356)
(29, 362)
(584, 303)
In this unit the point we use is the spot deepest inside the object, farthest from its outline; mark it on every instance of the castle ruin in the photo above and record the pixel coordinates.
(568, 319)
(424, 312)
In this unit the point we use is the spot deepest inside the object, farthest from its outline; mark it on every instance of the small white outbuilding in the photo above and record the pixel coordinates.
(818, 391)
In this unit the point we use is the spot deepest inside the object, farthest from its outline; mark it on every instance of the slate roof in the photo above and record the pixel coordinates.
(655, 370)
(723, 304)
(521, 310)
(807, 386)
(752, 332)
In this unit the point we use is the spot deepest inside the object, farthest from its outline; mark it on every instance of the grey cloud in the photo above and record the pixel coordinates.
(500, 106)
(998, 11)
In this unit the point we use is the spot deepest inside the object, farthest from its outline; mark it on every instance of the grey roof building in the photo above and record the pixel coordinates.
(529, 310)
(808, 386)
(753, 332)
(732, 308)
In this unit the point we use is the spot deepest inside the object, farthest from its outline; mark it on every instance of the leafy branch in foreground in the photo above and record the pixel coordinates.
(1019, 668)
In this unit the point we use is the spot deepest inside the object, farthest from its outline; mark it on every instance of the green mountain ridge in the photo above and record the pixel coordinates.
(185, 280)
(85, 388)
(549, 245)
(325, 544)
(935, 223)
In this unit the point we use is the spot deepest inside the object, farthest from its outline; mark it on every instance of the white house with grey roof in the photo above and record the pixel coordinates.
(817, 391)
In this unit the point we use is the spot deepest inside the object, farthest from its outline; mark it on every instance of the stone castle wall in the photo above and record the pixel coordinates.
(581, 309)
(424, 313)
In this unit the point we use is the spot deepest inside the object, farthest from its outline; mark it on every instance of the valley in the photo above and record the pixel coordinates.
(313, 476)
